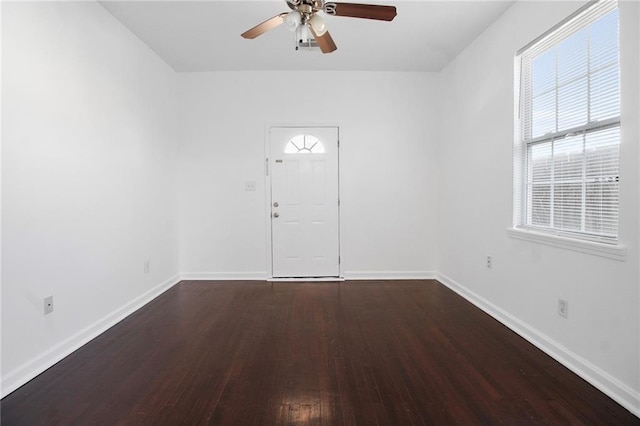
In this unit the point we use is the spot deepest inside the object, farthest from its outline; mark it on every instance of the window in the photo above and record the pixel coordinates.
(304, 144)
(567, 150)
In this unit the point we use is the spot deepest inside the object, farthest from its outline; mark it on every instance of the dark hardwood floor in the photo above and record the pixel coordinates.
(255, 353)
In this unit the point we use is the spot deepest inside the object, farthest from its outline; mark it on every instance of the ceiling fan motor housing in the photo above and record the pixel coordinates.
(309, 7)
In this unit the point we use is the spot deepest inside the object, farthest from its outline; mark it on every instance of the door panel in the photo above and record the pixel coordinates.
(304, 202)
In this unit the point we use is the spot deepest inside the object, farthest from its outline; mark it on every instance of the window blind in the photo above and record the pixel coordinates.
(567, 149)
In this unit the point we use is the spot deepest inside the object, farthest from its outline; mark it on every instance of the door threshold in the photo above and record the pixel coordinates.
(307, 279)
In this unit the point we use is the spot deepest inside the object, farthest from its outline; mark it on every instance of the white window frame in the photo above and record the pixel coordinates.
(606, 246)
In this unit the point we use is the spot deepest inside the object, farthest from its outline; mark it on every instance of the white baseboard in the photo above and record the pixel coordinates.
(349, 275)
(224, 276)
(307, 280)
(390, 275)
(614, 388)
(27, 371)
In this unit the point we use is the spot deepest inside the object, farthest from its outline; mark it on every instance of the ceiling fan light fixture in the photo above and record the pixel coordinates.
(292, 20)
(318, 25)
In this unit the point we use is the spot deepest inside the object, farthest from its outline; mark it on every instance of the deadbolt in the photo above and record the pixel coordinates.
(276, 204)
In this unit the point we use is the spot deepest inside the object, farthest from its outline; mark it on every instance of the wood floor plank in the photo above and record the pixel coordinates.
(351, 353)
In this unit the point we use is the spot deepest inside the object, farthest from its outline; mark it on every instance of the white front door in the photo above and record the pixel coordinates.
(304, 202)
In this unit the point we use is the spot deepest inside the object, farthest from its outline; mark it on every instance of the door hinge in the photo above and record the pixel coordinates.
(267, 166)
(339, 261)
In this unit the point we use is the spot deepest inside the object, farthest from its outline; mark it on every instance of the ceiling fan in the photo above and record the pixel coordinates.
(304, 13)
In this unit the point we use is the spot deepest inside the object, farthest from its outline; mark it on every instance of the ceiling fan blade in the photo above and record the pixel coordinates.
(265, 26)
(325, 41)
(357, 10)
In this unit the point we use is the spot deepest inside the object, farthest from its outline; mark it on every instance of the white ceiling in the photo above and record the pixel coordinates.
(205, 35)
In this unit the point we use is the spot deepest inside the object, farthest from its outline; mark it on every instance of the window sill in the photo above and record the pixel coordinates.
(610, 251)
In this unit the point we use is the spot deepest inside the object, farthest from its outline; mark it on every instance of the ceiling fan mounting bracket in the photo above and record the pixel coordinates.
(305, 9)
(315, 5)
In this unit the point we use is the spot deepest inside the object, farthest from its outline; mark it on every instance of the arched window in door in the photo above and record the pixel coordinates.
(304, 144)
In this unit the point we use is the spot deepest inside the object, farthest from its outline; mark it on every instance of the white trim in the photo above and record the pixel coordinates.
(610, 251)
(267, 199)
(316, 279)
(224, 276)
(30, 369)
(614, 388)
(390, 275)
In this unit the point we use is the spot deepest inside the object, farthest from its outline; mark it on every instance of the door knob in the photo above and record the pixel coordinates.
(276, 214)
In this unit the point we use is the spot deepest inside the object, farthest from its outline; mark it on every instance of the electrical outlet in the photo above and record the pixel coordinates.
(48, 305)
(563, 308)
(250, 185)
(147, 266)
(489, 262)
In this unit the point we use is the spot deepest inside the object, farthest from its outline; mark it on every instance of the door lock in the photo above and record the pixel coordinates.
(276, 204)
(276, 214)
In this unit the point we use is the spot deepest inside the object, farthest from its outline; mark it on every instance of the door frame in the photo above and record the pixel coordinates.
(267, 200)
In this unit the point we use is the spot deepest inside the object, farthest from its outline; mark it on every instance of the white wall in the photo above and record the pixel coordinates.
(600, 337)
(88, 179)
(388, 166)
